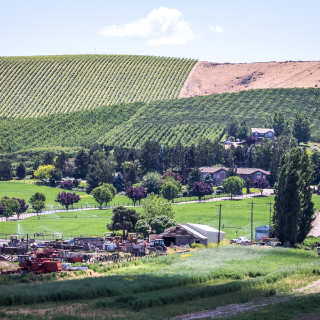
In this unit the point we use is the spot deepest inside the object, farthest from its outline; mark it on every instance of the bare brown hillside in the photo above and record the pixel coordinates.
(210, 78)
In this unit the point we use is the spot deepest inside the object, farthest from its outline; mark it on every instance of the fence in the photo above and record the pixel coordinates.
(42, 236)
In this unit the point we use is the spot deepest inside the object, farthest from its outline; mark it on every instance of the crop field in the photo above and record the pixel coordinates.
(37, 86)
(163, 287)
(184, 120)
(26, 190)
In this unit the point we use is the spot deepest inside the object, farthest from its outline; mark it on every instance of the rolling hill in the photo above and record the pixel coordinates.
(208, 78)
(168, 121)
(43, 85)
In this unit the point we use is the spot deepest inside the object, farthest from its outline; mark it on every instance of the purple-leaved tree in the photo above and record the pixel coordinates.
(201, 189)
(23, 206)
(260, 184)
(136, 194)
(250, 140)
(67, 199)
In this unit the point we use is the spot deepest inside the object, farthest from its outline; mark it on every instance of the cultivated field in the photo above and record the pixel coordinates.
(163, 287)
(169, 122)
(212, 78)
(37, 86)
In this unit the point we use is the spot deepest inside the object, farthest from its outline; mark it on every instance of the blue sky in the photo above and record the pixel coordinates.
(209, 30)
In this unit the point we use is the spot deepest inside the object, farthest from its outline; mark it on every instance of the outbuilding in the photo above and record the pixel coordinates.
(187, 234)
(263, 231)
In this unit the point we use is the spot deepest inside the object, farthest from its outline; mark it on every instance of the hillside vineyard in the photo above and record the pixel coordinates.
(170, 122)
(37, 86)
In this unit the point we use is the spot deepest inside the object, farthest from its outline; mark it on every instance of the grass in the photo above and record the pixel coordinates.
(235, 218)
(26, 190)
(168, 286)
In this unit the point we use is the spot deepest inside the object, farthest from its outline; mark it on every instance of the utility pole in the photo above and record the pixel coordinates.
(271, 203)
(123, 230)
(252, 221)
(219, 211)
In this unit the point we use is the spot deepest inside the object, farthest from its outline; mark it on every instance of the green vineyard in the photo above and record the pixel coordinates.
(44, 85)
(169, 121)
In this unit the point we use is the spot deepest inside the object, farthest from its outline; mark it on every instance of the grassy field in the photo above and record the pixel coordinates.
(235, 218)
(26, 190)
(36, 86)
(163, 287)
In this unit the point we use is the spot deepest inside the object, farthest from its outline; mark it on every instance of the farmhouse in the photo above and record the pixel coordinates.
(260, 133)
(220, 173)
(187, 234)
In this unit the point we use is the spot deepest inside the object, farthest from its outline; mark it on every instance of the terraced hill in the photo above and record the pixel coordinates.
(170, 121)
(43, 85)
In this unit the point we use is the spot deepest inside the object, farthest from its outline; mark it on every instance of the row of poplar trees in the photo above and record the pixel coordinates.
(293, 207)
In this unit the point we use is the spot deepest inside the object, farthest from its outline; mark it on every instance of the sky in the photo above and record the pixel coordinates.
(208, 30)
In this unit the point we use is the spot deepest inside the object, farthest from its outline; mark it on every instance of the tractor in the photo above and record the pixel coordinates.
(159, 245)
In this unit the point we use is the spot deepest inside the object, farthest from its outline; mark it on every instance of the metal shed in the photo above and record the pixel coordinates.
(211, 233)
(263, 231)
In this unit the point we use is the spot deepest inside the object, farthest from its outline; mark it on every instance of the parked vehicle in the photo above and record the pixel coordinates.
(240, 240)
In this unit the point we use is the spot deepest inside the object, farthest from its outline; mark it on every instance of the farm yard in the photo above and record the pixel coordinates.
(168, 286)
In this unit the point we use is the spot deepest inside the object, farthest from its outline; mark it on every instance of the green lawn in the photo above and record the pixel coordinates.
(26, 190)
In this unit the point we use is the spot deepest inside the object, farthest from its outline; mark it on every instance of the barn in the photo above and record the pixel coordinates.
(187, 234)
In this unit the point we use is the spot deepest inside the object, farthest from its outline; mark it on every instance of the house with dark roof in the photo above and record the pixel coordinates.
(260, 133)
(220, 173)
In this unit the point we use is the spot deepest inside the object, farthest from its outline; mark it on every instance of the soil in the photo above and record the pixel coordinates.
(232, 309)
(207, 78)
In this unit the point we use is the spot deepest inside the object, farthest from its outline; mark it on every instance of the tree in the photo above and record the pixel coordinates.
(279, 124)
(2, 210)
(38, 201)
(232, 128)
(307, 208)
(315, 160)
(239, 156)
(169, 190)
(44, 172)
(48, 158)
(159, 166)
(243, 130)
(233, 185)
(131, 176)
(152, 182)
(61, 160)
(208, 179)
(301, 128)
(21, 171)
(136, 194)
(260, 183)
(5, 170)
(149, 155)
(160, 223)
(143, 227)
(201, 189)
(81, 163)
(250, 140)
(248, 184)
(154, 205)
(23, 206)
(122, 216)
(67, 199)
(11, 206)
(195, 176)
(118, 182)
(104, 193)
(287, 199)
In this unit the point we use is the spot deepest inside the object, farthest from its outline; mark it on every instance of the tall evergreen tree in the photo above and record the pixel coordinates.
(81, 162)
(293, 208)
(306, 204)
(61, 160)
(195, 176)
(118, 182)
(21, 171)
(149, 155)
(48, 158)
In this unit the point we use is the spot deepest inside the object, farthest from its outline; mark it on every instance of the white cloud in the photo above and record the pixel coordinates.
(163, 26)
(217, 29)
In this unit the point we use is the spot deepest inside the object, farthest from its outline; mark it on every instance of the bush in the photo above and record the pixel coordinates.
(197, 246)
